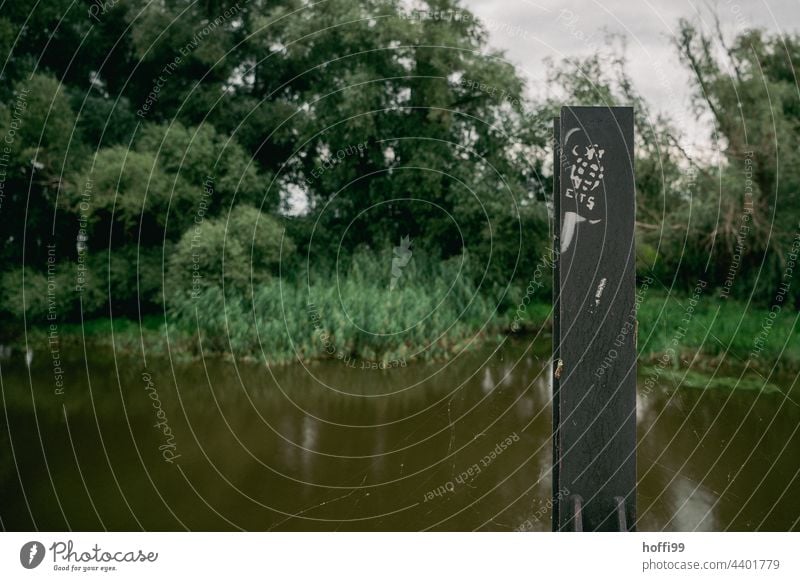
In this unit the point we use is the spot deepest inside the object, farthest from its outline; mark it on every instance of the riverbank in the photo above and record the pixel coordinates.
(705, 331)
(675, 332)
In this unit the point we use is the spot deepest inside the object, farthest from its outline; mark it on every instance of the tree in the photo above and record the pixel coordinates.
(749, 88)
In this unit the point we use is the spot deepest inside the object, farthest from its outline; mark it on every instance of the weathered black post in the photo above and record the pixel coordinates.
(594, 345)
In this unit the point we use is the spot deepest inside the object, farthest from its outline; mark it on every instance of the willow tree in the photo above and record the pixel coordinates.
(748, 219)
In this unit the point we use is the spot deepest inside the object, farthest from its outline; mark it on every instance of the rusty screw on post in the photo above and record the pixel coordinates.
(559, 367)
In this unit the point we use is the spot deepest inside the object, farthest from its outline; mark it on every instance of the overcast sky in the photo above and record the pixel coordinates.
(531, 30)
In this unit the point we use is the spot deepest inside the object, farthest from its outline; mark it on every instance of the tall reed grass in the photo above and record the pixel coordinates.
(350, 311)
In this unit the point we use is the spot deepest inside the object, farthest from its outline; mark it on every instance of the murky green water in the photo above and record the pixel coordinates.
(461, 445)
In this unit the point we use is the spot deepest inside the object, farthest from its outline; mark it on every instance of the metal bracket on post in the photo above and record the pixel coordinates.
(594, 349)
(577, 517)
(622, 524)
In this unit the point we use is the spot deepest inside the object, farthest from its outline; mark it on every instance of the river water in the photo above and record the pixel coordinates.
(462, 445)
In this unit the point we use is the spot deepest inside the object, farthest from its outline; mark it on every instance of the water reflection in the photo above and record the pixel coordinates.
(694, 506)
(327, 446)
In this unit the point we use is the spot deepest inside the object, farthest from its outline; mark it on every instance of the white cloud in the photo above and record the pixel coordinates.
(530, 31)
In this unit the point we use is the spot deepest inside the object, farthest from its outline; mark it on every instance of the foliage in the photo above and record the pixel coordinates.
(435, 311)
(748, 218)
(741, 334)
(241, 251)
(240, 159)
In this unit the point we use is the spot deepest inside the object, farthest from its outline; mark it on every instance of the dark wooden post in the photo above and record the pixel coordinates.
(594, 344)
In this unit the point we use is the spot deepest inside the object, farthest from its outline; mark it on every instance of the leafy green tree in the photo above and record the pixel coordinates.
(200, 154)
(748, 87)
(37, 125)
(240, 252)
